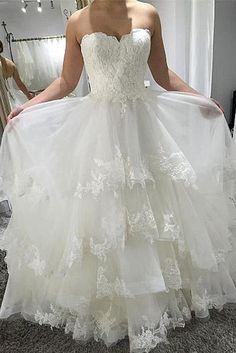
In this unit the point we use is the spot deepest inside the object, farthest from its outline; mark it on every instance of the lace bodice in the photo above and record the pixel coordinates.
(116, 68)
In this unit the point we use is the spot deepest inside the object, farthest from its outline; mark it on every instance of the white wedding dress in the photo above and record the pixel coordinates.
(123, 217)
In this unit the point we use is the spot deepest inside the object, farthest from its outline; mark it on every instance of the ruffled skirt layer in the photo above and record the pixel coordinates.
(123, 216)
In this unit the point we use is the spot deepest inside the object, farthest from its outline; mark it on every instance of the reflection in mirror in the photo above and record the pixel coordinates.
(4, 100)
(83, 3)
(32, 34)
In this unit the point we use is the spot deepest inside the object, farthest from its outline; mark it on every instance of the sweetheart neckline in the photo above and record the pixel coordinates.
(147, 30)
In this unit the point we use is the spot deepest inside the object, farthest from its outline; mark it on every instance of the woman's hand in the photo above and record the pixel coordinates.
(14, 113)
(218, 104)
(30, 95)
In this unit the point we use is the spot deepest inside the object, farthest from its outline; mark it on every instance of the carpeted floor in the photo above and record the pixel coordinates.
(218, 335)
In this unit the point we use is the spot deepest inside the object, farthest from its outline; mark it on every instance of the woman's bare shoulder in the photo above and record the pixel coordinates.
(78, 14)
(147, 13)
(79, 19)
(148, 8)
(10, 63)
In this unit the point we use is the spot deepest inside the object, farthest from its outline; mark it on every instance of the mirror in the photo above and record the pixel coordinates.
(32, 34)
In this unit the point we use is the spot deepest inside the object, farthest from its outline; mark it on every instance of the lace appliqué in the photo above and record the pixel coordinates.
(229, 167)
(28, 255)
(201, 303)
(105, 288)
(143, 337)
(177, 166)
(173, 164)
(104, 323)
(109, 174)
(114, 174)
(171, 274)
(171, 229)
(33, 260)
(142, 223)
(116, 70)
(137, 174)
(220, 256)
(114, 233)
(183, 307)
(53, 319)
(75, 321)
(150, 336)
(26, 182)
(73, 253)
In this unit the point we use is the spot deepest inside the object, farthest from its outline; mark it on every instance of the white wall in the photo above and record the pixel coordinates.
(224, 61)
(31, 24)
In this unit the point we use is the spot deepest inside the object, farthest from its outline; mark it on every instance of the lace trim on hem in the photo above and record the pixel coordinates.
(99, 326)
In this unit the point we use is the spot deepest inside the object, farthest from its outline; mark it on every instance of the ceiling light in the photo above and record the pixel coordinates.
(23, 9)
(39, 8)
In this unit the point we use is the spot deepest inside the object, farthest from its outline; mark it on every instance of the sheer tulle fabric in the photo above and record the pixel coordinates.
(120, 225)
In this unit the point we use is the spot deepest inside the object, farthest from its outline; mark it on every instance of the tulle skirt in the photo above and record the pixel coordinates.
(123, 215)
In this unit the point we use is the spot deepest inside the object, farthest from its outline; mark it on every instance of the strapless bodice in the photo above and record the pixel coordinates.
(116, 68)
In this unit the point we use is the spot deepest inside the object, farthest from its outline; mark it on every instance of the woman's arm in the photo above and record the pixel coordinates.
(71, 71)
(21, 84)
(157, 62)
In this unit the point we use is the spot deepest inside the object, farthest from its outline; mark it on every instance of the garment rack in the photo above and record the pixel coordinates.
(36, 38)
(11, 39)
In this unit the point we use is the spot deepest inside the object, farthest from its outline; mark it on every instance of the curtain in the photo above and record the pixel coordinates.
(188, 32)
(39, 62)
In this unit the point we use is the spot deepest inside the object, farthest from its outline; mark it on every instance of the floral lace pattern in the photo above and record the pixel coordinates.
(202, 302)
(150, 336)
(171, 229)
(114, 174)
(116, 69)
(173, 164)
(117, 173)
(27, 255)
(116, 228)
(25, 182)
(107, 288)
(114, 233)
(33, 260)
(137, 174)
(229, 170)
(105, 174)
(74, 252)
(103, 323)
(172, 274)
(142, 223)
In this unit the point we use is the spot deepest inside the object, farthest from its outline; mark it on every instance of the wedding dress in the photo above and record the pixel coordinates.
(123, 204)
